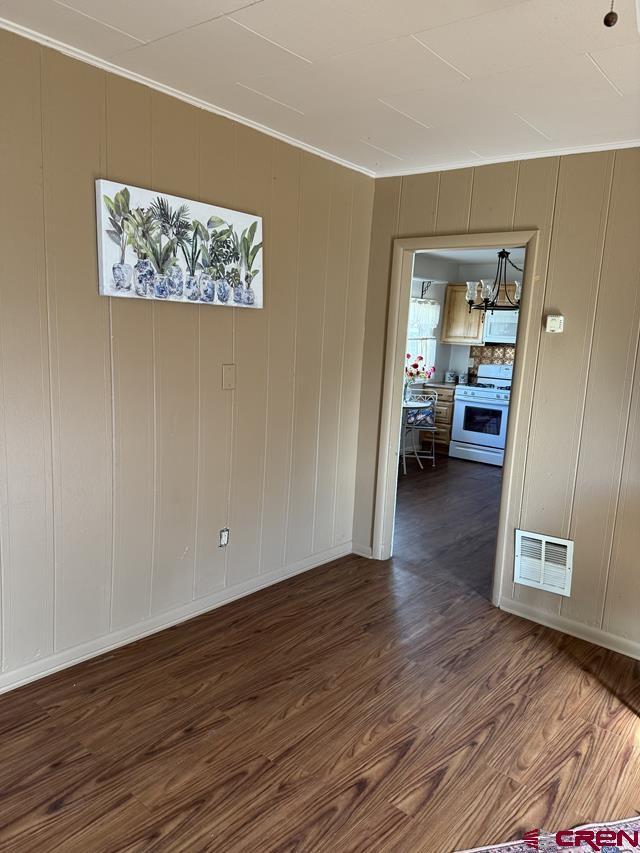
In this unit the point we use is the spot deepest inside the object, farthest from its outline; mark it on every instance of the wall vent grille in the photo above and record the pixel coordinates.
(543, 562)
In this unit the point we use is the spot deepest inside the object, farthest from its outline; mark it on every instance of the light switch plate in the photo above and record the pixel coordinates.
(228, 377)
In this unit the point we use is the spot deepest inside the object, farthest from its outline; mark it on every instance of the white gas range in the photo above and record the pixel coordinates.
(480, 416)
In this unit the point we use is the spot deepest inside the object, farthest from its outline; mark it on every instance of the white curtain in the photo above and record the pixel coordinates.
(424, 315)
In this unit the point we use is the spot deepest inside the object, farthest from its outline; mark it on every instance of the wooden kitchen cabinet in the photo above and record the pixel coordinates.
(444, 414)
(459, 325)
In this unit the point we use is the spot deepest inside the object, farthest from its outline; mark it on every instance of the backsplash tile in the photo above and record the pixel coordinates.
(493, 354)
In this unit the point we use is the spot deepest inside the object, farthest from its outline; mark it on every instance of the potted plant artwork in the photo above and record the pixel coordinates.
(140, 227)
(236, 273)
(118, 208)
(192, 251)
(205, 281)
(163, 259)
(175, 225)
(157, 246)
(221, 253)
(248, 253)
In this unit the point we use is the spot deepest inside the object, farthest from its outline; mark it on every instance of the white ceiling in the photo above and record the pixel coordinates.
(390, 86)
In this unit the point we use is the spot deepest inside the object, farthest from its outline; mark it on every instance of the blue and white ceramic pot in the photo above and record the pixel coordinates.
(122, 276)
(144, 277)
(192, 288)
(175, 281)
(160, 286)
(223, 290)
(207, 289)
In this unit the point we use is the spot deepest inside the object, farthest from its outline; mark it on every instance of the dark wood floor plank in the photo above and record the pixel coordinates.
(378, 706)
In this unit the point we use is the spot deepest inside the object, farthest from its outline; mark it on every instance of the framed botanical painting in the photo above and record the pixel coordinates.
(157, 246)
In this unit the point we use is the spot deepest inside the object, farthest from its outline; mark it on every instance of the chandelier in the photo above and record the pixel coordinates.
(490, 290)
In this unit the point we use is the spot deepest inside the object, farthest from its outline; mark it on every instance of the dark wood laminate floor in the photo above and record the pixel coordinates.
(447, 521)
(362, 706)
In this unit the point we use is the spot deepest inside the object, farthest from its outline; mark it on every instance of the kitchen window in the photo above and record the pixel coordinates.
(424, 315)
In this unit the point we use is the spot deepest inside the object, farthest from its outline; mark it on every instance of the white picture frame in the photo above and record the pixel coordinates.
(153, 245)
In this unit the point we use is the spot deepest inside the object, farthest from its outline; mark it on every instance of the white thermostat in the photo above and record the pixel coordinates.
(555, 323)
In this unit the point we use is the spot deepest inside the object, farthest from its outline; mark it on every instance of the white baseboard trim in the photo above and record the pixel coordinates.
(597, 636)
(362, 550)
(69, 657)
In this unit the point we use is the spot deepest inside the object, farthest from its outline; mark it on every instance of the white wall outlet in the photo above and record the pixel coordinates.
(224, 537)
(554, 324)
(228, 377)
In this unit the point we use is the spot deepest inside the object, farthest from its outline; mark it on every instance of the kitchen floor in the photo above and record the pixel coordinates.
(447, 521)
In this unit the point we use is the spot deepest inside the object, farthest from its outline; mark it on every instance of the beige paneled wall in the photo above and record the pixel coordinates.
(121, 455)
(581, 477)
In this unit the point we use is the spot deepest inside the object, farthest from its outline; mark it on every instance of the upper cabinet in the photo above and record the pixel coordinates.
(459, 325)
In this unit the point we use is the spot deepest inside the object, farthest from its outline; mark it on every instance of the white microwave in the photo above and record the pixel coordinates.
(501, 327)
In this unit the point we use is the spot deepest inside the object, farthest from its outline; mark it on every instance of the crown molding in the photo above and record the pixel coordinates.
(511, 158)
(111, 68)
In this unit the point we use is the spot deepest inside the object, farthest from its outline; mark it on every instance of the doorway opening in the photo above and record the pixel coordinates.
(451, 452)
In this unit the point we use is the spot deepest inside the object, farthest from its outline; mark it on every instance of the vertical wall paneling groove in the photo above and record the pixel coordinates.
(74, 150)
(253, 194)
(154, 414)
(333, 311)
(217, 181)
(175, 129)
(26, 530)
(494, 192)
(294, 373)
(362, 207)
(515, 196)
(589, 336)
(623, 587)
(535, 204)
(572, 280)
(337, 509)
(606, 408)
(129, 160)
(314, 223)
(473, 184)
(321, 407)
(341, 487)
(281, 308)
(268, 316)
(419, 204)
(454, 202)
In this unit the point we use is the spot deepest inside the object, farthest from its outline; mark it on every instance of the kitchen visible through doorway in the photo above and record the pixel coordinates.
(461, 347)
